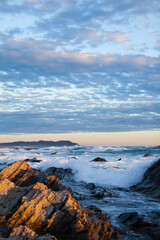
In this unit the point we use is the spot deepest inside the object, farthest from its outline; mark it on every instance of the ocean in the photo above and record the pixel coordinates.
(124, 167)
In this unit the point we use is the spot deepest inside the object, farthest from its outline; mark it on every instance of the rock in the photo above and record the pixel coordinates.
(32, 160)
(23, 175)
(91, 186)
(151, 181)
(73, 158)
(5, 186)
(148, 155)
(137, 223)
(59, 172)
(30, 211)
(99, 159)
(102, 194)
(119, 159)
(4, 163)
(2, 154)
(54, 153)
(16, 148)
(94, 208)
(23, 232)
(4, 231)
(97, 191)
(31, 148)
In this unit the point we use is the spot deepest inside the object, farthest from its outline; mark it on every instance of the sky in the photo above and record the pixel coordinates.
(79, 67)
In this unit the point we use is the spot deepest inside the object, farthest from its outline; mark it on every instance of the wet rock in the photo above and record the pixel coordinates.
(2, 154)
(119, 159)
(137, 223)
(16, 148)
(148, 155)
(33, 160)
(37, 209)
(59, 172)
(91, 186)
(151, 181)
(4, 163)
(73, 158)
(54, 153)
(31, 148)
(97, 191)
(99, 159)
(102, 194)
(94, 208)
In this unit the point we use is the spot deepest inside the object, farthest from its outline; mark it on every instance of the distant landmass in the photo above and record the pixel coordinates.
(40, 143)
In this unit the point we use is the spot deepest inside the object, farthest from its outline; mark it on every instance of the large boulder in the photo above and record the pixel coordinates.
(139, 224)
(32, 209)
(151, 181)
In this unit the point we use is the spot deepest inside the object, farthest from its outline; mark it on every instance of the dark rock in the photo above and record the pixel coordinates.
(137, 223)
(33, 160)
(151, 181)
(4, 231)
(59, 172)
(16, 148)
(119, 159)
(2, 154)
(54, 153)
(94, 208)
(38, 210)
(23, 233)
(102, 194)
(148, 155)
(31, 148)
(91, 186)
(3, 163)
(72, 158)
(99, 159)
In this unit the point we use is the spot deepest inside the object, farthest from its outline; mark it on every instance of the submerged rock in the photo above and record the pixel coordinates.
(151, 181)
(99, 159)
(33, 209)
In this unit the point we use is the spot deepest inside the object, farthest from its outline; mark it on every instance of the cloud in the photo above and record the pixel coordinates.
(76, 66)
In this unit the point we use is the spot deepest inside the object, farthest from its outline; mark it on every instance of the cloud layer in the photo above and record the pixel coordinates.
(76, 65)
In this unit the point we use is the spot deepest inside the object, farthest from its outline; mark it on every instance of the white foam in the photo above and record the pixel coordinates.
(124, 173)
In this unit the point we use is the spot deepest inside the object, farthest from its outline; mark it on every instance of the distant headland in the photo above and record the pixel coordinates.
(40, 143)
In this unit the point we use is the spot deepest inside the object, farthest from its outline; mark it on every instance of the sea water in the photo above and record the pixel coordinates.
(124, 167)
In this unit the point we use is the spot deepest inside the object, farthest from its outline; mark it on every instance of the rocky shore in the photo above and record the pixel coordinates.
(151, 181)
(34, 205)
